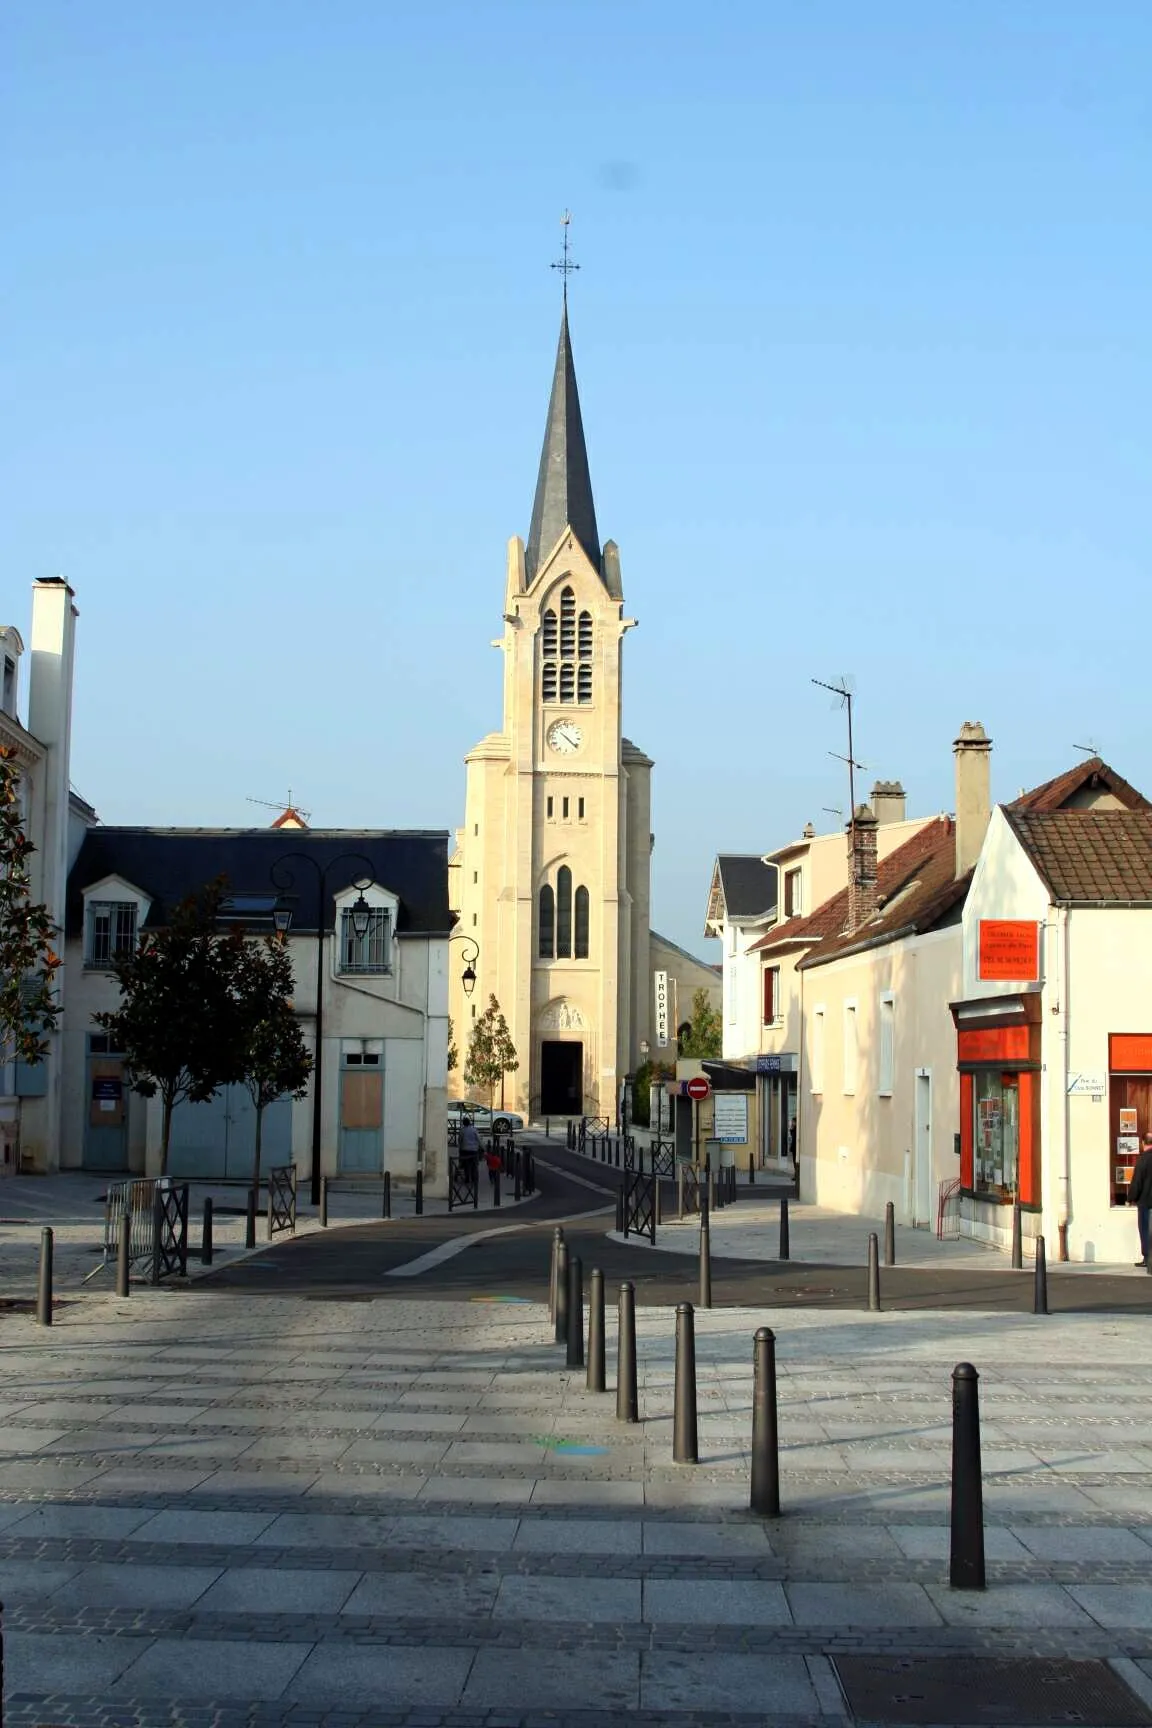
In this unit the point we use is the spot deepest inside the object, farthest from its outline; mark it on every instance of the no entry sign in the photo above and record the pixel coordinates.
(698, 1087)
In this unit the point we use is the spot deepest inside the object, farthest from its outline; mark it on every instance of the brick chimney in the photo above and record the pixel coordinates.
(972, 750)
(888, 801)
(863, 893)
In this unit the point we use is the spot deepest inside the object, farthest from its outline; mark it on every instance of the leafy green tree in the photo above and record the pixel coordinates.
(179, 1022)
(29, 962)
(453, 1053)
(491, 1052)
(704, 1037)
(274, 1057)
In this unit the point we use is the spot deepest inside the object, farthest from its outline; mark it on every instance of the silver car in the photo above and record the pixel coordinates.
(486, 1120)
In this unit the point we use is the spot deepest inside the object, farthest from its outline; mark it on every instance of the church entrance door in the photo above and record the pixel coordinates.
(561, 1078)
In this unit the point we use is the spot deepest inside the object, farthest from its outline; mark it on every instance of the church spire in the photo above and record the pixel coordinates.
(563, 487)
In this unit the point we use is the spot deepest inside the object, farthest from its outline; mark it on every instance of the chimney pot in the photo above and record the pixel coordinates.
(972, 750)
(888, 801)
(863, 889)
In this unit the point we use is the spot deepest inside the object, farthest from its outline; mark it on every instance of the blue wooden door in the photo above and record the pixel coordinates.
(361, 1116)
(106, 1125)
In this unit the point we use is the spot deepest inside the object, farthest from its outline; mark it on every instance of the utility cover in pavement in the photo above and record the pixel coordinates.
(1025, 1692)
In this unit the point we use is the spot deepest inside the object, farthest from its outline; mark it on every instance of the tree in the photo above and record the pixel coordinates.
(28, 960)
(453, 1053)
(491, 1052)
(179, 1023)
(704, 1037)
(273, 1054)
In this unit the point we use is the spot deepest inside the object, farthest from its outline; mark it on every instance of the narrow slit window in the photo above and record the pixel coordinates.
(564, 913)
(550, 809)
(564, 809)
(580, 808)
(547, 946)
(581, 923)
(567, 682)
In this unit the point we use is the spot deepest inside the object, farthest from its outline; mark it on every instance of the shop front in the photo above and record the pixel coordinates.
(776, 1082)
(1129, 1105)
(998, 1058)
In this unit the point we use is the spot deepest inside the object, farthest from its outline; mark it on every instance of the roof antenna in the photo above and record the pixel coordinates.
(1089, 749)
(844, 691)
(564, 264)
(278, 804)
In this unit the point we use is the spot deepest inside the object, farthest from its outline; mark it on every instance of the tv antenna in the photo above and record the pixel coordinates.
(1089, 749)
(278, 804)
(843, 690)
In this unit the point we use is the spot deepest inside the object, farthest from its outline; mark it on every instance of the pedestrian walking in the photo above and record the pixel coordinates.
(494, 1162)
(1140, 1195)
(469, 1143)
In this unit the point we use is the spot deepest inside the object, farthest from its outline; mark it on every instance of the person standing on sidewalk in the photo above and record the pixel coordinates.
(469, 1145)
(1140, 1195)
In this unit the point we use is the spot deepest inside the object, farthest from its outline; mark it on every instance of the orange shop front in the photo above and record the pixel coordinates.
(998, 1058)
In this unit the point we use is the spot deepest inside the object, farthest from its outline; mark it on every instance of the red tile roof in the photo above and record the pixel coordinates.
(1089, 855)
(1092, 776)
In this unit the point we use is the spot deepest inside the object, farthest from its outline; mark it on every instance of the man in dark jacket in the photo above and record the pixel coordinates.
(1140, 1195)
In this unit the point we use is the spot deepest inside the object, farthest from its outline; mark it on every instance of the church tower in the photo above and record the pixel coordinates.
(552, 864)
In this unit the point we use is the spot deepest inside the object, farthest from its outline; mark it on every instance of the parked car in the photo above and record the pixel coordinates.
(460, 1110)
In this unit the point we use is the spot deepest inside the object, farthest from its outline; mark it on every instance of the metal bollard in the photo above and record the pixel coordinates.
(386, 1204)
(557, 1238)
(496, 1188)
(206, 1234)
(685, 1449)
(705, 1255)
(680, 1194)
(324, 1202)
(890, 1234)
(596, 1381)
(1040, 1287)
(44, 1289)
(547, 1128)
(765, 1434)
(124, 1255)
(575, 1340)
(966, 1567)
(250, 1220)
(656, 1200)
(518, 1178)
(1017, 1239)
(419, 1193)
(561, 1315)
(784, 1244)
(873, 1274)
(715, 1196)
(268, 1213)
(751, 1169)
(627, 1399)
(620, 1212)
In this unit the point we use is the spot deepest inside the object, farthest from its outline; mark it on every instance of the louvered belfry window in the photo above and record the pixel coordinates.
(566, 653)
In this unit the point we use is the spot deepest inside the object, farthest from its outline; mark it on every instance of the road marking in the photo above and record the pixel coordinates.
(448, 1250)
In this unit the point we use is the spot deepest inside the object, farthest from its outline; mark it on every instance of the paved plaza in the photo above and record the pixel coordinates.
(265, 1509)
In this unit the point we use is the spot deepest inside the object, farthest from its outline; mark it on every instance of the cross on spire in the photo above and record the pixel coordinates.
(564, 264)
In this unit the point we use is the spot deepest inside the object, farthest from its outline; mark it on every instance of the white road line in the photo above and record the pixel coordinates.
(446, 1250)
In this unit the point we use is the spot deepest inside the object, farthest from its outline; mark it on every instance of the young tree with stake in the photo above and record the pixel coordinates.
(491, 1052)
(275, 1059)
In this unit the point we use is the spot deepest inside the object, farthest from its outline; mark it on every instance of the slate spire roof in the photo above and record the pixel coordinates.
(563, 486)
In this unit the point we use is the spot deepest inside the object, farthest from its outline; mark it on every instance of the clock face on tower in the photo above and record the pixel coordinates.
(565, 737)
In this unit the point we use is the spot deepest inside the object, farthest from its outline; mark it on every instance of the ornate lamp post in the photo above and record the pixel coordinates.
(361, 916)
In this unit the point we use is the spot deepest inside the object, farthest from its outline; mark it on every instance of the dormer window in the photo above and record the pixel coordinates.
(371, 950)
(9, 685)
(111, 931)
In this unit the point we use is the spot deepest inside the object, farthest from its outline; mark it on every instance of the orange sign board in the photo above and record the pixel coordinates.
(1130, 1053)
(993, 1044)
(1009, 950)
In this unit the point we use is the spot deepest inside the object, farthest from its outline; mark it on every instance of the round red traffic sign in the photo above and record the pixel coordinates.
(698, 1087)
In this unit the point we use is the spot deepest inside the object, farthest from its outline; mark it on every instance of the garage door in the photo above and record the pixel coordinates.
(218, 1138)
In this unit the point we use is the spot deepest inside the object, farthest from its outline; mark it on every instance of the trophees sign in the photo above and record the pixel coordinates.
(661, 981)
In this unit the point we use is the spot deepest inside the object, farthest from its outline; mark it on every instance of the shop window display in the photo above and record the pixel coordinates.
(996, 1133)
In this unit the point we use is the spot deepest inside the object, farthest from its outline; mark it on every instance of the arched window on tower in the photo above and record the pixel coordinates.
(563, 913)
(548, 636)
(567, 625)
(547, 944)
(584, 669)
(581, 923)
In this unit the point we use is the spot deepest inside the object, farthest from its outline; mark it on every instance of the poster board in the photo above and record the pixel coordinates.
(730, 1118)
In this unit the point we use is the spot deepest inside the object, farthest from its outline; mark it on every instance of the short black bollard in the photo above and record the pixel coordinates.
(966, 1568)
(619, 1211)
(250, 1220)
(890, 1234)
(765, 1435)
(685, 1449)
(784, 1244)
(206, 1234)
(596, 1381)
(575, 1339)
(124, 1255)
(518, 1178)
(617, 1154)
(705, 1255)
(44, 1290)
(680, 1194)
(324, 1202)
(561, 1316)
(419, 1193)
(751, 1169)
(873, 1274)
(557, 1238)
(496, 1188)
(627, 1398)
(657, 1203)
(386, 1203)
(1040, 1287)
(1017, 1239)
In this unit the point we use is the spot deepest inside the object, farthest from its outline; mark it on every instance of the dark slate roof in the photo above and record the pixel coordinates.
(1089, 856)
(1085, 780)
(168, 863)
(563, 486)
(749, 884)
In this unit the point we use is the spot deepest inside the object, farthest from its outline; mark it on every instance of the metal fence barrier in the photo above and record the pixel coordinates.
(281, 1199)
(640, 1206)
(169, 1231)
(463, 1182)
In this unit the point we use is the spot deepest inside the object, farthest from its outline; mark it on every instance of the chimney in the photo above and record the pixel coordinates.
(888, 798)
(863, 892)
(50, 720)
(809, 832)
(972, 750)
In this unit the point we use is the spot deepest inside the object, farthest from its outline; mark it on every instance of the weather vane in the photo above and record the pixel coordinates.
(564, 264)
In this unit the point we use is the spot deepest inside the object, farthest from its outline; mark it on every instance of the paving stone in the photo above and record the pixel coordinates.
(381, 1677)
(875, 1603)
(43, 1665)
(30, 1580)
(279, 1590)
(933, 1542)
(495, 1535)
(704, 1539)
(425, 1454)
(716, 1601)
(1120, 1605)
(548, 1680)
(105, 1523)
(237, 1528)
(1075, 1544)
(322, 1530)
(129, 1585)
(577, 1536)
(767, 1687)
(438, 1597)
(478, 1490)
(595, 1494)
(556, 1599)
(1008, 1605)
(186, 1668)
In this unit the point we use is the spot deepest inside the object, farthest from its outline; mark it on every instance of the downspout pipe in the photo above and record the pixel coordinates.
(1065, 1072)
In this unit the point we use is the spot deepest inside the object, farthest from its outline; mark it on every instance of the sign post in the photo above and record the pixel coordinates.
(697, 1089)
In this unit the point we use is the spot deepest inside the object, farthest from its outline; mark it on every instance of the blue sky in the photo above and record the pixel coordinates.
(862, 334)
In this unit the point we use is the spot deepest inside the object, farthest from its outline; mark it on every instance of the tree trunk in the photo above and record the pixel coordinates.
(165, 1136)
(259, 1132)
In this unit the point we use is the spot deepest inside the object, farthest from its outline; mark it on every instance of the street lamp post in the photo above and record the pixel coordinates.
(361, 920)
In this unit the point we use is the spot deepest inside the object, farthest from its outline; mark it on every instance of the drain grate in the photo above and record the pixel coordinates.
(1025, 1692)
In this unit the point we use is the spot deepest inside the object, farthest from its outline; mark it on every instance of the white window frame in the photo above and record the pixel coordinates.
(795, 875)
(115, 910)
(777, 1011)
(373, 951)
(819, 1049)
(851, 1051)
(887, 1045)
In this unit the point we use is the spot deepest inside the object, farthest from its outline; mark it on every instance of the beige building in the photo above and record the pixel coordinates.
(551, 870)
